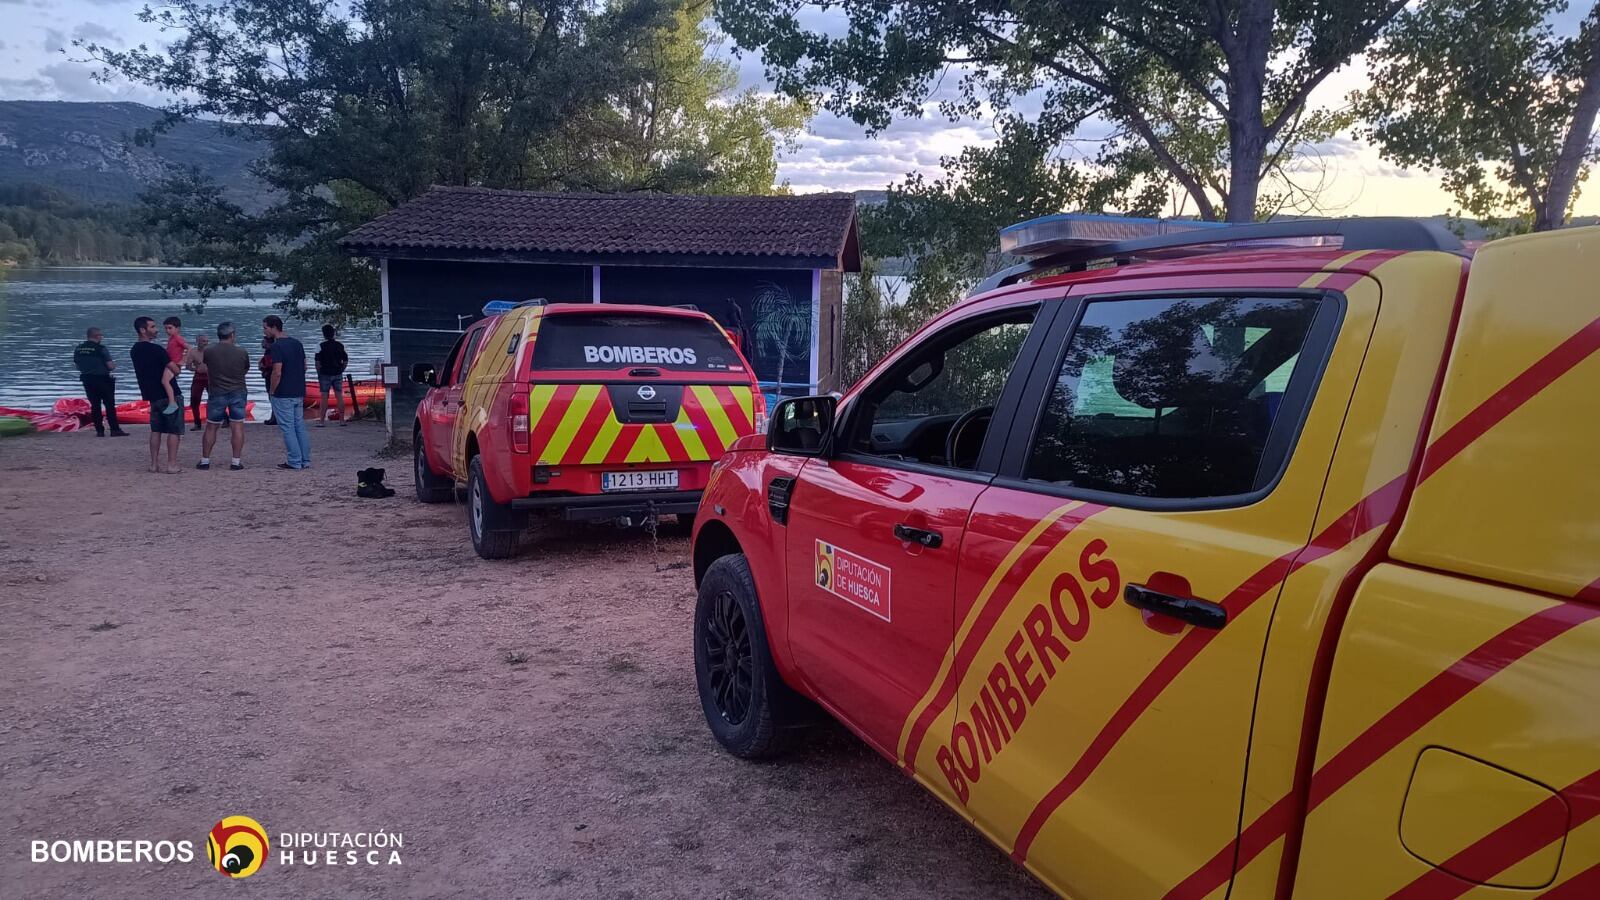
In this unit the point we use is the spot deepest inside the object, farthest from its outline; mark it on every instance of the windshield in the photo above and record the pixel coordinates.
(613, 341)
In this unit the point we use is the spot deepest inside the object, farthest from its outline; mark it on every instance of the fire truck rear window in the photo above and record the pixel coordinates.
(628, 341)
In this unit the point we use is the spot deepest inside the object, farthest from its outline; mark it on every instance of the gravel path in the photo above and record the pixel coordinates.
(263, 643)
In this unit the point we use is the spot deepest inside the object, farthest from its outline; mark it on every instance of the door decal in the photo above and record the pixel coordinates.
(854, 579)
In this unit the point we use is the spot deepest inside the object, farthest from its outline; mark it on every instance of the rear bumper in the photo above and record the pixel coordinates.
(610, 506)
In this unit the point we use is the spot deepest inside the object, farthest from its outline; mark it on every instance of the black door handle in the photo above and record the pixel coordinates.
(929, 539)
(1203, 613)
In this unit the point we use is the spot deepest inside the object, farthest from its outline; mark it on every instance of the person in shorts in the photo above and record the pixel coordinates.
(227, 364)
(153, 367)
(202, 376)
(331, 360)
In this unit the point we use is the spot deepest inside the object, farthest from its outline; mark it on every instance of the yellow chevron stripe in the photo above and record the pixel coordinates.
(746, 403)
(1000, 573)
(570, 422)
(715, 412)
(1331, 269)
(649, 448)
(539, 397)
(687, 433)
(603, 440)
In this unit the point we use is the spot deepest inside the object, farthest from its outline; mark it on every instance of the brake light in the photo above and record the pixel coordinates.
(761, 412)
(518, 413)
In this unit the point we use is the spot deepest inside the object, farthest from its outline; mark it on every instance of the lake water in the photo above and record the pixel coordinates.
(44, 312)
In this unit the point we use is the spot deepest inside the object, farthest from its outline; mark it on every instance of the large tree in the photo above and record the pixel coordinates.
(945, 227)
(1215, 90)
(1491, 95)
(363, 105)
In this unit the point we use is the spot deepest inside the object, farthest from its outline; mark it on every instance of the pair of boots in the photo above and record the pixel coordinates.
(369, 484)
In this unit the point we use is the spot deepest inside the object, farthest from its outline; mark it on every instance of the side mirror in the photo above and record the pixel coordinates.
(801, 425)
(422, 373)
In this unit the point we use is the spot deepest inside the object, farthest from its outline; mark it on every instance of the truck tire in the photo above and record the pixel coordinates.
(431, 488)
(746, 703)
(492, 525)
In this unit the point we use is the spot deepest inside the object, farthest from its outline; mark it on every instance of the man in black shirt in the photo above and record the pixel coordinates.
(95, 366)
(152, 365)
(286, 385)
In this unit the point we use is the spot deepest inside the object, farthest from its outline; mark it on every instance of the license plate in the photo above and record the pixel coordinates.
(655, 480)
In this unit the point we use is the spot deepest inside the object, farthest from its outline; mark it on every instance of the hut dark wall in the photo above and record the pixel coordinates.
(770, 309)
(426, 296)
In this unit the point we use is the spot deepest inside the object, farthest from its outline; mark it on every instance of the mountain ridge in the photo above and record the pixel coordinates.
(91, 151)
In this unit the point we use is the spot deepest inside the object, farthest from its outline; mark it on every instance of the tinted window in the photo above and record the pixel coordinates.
(471, 353)
(609, 341)
(919, 410)
(449, 368)
(1171, 398)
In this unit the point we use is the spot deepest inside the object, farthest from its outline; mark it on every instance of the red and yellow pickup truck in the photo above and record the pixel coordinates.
(1258, 562)
(582, 411)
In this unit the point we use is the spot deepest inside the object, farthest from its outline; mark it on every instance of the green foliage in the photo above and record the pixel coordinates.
(876, 320)
(1214, 90)
(1490, 96)
(948, 227)
(362, 106)
(685, 128)
(41, 225)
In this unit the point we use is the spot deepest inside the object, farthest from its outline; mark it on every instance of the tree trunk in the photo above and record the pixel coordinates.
(1564, 174)
(1247, 129)
(1247, 146)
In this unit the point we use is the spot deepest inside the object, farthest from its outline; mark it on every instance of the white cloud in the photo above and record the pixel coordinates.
(94, 33)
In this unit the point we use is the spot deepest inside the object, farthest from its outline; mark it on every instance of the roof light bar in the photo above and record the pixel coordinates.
(496, 307)
(1077, 253)
(1048, 235)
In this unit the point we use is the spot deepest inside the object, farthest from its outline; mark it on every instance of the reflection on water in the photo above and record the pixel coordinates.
(44, 313)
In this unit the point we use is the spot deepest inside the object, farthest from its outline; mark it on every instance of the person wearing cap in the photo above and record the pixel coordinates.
(95, 366)
(227, 364)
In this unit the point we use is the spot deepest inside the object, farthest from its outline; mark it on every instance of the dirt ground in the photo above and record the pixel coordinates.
(177, 648)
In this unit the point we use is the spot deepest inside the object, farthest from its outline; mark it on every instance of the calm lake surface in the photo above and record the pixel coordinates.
(44, 312)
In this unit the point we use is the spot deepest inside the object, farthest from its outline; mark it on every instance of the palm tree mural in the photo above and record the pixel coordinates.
(782, 326)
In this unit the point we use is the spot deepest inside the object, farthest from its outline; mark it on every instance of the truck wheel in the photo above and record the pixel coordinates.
(745, 701)
(491, 524)
(431, 488)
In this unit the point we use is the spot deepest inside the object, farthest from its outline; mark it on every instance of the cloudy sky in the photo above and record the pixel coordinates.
(37, 62)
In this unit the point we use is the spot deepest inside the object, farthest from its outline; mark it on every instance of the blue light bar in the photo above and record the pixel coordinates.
(1053, 234)
(496, 307)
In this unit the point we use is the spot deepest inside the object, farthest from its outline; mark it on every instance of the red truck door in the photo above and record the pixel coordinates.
(447, 401)
(874, 533)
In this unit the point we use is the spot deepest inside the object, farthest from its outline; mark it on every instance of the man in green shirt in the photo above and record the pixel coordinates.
(95, 366)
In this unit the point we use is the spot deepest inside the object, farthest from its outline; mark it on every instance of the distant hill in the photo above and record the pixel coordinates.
(88, 150)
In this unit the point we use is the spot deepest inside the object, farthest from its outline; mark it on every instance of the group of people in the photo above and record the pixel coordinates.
(219, 369)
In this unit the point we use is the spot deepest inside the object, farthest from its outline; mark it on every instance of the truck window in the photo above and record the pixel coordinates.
(909, 412)
(470, 353)
(614, 341)
(447, 371)
(1171, 398)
